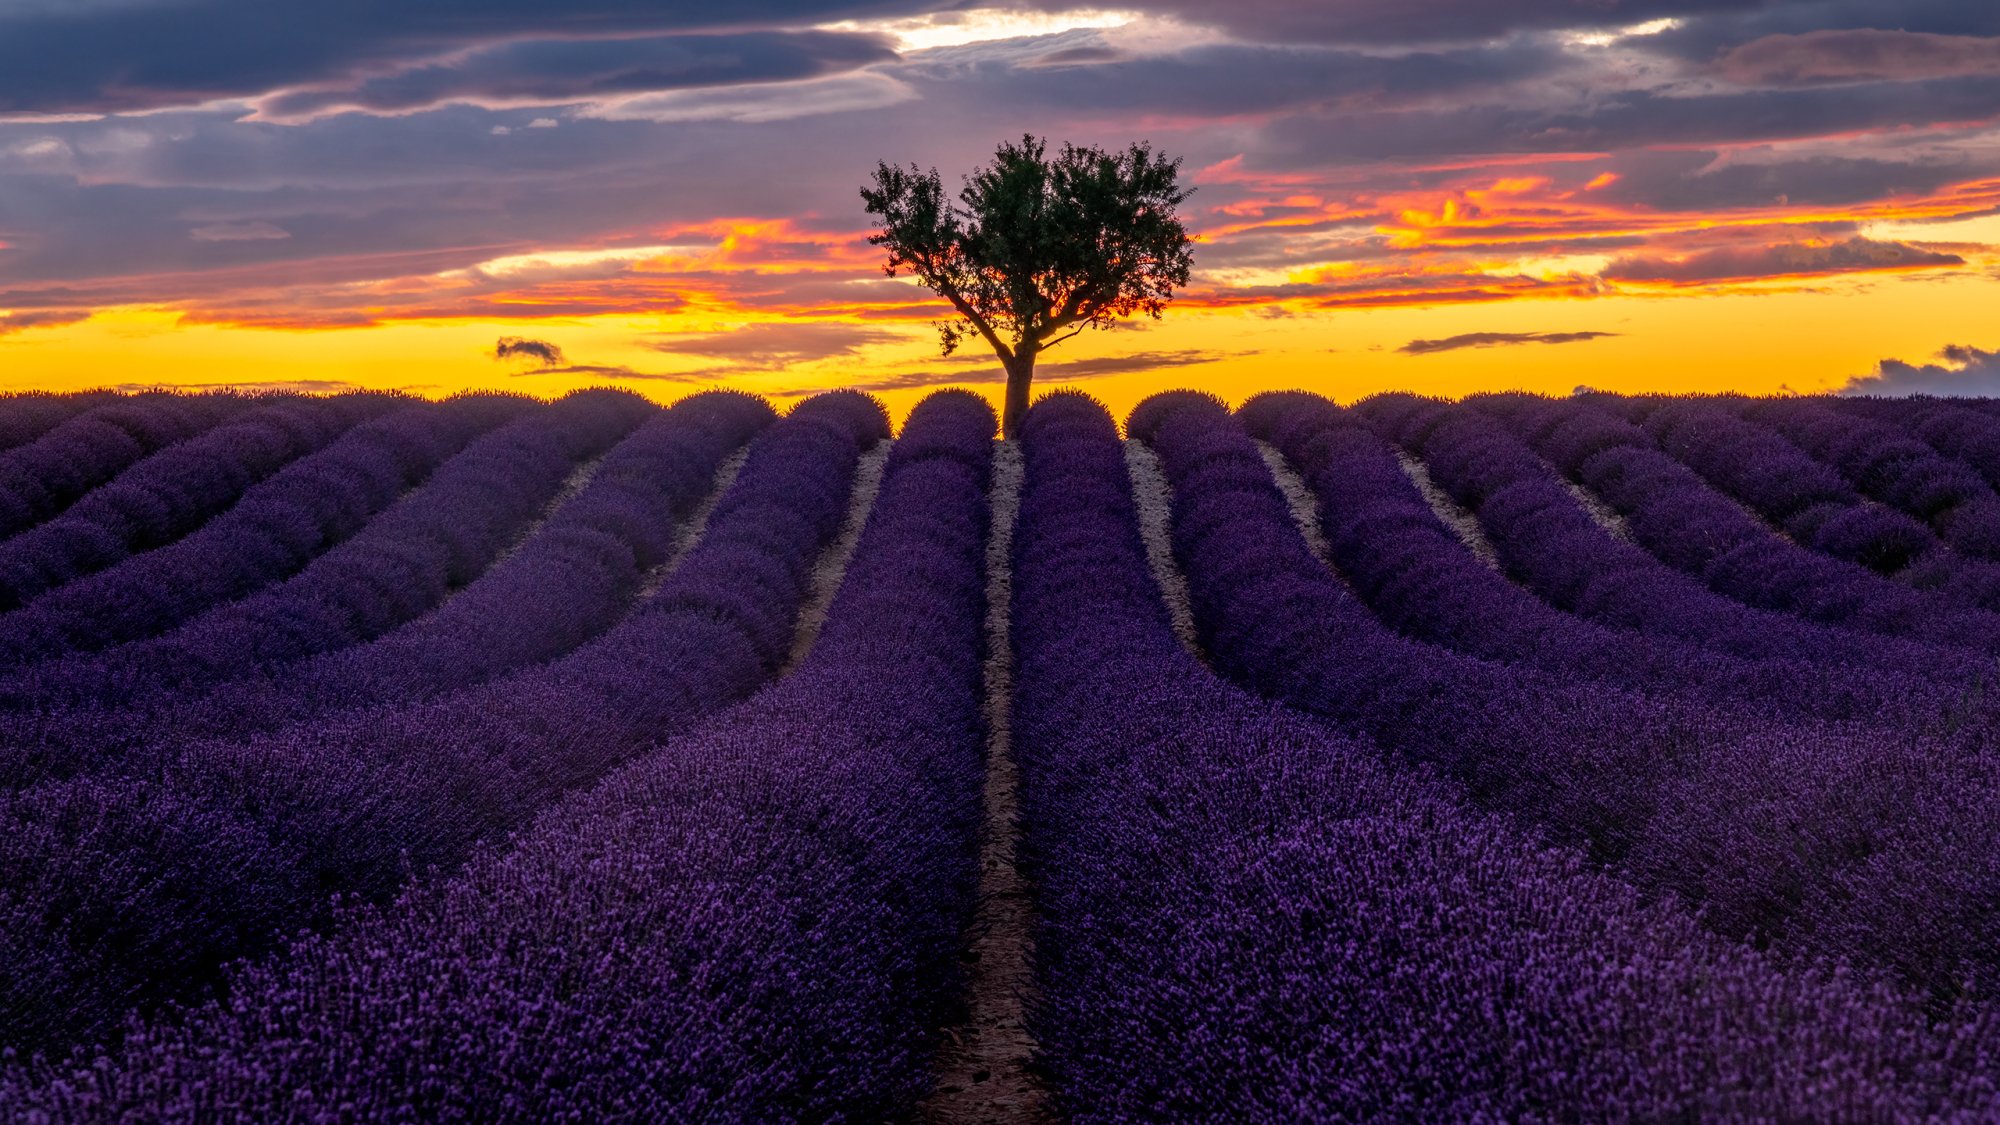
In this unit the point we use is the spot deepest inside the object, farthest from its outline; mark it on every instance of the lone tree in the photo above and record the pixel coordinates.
(1037, 250)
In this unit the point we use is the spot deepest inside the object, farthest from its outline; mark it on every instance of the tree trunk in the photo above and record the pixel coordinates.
(1020, 373)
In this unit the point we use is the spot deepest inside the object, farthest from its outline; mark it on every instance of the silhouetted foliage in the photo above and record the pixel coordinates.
(1036, 250)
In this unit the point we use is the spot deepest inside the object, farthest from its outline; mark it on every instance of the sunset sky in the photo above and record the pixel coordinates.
(1433, 195)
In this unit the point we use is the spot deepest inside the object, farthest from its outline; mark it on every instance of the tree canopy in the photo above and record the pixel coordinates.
(1036, 250)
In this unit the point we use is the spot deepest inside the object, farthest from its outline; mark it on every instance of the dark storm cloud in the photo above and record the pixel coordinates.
(1733, 263)
(557, 71)
(106, 58)
(1496, 339)
(1965, 371)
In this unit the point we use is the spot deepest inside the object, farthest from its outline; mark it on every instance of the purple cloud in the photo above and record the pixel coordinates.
(1398, 21)
(238, 232)
(1857, 55)
(47, 318)
(1739, 263)
(554, 72)
(107, 58)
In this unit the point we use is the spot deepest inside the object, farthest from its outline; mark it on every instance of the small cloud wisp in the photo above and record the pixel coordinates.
(1496, 339)
(543, 353)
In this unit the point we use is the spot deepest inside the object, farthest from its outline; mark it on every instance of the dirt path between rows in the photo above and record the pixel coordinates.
(831, 566)
(985, 1070)
(1153, 500)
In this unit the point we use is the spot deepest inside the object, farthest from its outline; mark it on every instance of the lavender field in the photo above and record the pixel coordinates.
(365, 758)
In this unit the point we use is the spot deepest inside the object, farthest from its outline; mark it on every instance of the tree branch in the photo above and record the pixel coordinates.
(1047, 344)
(948, 289)
(1072, 311)
(965, 309)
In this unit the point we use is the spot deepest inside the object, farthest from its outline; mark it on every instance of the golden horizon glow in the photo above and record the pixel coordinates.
(1749, 342)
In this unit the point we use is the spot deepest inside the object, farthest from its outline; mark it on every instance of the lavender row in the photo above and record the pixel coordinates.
(1813, 505)
(277, 527)
(1807, 501)
(1419, 578)
(757, 921)
(40, 478)
(1972, 436)
(402, 564)
(139, 887)
(1899, 470)
(174, 491)
(1243, 917)
(569, 581)
(1683, 521)
(26, 416)
(1548, 543)
(573, 579)
(1784, 832)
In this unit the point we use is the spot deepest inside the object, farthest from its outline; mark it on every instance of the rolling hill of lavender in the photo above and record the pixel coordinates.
(1601, 758)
